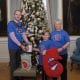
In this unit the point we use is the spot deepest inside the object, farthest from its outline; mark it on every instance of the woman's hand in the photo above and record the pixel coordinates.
(60, 49)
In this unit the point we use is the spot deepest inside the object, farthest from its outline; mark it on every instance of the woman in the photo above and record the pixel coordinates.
(62, 41)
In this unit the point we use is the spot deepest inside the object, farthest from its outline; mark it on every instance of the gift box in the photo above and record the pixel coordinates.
(26, 61)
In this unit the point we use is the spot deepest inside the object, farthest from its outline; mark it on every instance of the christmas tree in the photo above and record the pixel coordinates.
(34, 16)
(34, 19)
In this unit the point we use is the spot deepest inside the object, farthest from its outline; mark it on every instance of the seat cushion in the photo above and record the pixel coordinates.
(22, 72)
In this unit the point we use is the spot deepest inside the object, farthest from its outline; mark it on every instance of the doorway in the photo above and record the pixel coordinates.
(71, 16)
(3, 17)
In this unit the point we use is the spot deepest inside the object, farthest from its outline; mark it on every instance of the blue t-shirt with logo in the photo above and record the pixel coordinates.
(18, 29)
(44, 45)
(60, 38)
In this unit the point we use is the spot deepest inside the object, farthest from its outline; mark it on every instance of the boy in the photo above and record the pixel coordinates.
(44, 45)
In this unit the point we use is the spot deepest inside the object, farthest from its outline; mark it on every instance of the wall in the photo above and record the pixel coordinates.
(4, 54)
(14, 5)
(52, 12)
(11, 6)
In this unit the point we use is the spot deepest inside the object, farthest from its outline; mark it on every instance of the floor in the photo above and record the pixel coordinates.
(4, 72)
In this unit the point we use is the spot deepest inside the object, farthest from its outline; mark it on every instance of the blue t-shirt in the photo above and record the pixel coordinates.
(18, 29)
(60, 38)
(44, 45)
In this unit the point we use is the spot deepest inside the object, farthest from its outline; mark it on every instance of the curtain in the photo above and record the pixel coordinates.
(52, 12)
(14, 4)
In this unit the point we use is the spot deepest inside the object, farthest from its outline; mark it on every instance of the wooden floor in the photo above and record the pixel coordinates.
(4, 73)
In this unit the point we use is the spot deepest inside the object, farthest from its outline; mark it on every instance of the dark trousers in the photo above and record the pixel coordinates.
(64, 63)
(14, 60)
(44, 76)
(42, 72)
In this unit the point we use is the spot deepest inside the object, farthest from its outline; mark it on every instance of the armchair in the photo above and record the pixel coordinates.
(75, 58)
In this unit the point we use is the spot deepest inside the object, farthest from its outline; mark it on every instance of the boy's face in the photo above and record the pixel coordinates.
(17, 15)
(46, 36)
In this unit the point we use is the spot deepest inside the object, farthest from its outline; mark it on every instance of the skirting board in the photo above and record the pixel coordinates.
(4, 59)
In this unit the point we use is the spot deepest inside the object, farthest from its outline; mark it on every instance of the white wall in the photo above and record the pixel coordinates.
(4, 54)
(60, 9)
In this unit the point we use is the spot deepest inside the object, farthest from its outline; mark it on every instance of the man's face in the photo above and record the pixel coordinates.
(17, 15)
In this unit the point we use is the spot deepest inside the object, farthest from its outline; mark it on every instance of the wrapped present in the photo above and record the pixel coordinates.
(26, 61)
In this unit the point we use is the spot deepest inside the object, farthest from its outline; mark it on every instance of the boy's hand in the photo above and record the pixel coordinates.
(44, 52)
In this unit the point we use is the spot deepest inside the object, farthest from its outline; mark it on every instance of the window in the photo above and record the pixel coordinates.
(3, 18)
(71, 16)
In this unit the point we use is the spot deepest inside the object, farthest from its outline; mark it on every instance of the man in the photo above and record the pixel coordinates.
(16, 33)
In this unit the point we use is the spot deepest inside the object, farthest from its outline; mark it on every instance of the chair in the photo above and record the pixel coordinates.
(75, 58)
(21, 73)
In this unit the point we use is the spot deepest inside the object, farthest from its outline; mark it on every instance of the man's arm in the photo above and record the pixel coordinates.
(25, 38)
(14, 39)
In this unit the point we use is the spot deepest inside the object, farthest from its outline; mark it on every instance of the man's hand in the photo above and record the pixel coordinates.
(23, 48)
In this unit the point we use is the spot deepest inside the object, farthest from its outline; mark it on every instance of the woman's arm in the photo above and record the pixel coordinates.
(66, 45)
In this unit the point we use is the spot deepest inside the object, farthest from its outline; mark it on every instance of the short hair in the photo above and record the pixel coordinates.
(58, 20)
(46, 31)
(16, 11)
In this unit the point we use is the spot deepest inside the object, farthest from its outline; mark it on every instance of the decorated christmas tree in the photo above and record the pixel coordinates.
(34, 19)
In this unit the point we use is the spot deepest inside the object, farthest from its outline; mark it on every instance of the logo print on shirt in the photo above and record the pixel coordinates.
(57, 37)
(19, 30)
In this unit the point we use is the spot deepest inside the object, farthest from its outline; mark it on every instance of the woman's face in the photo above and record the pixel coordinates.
(58, 25)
